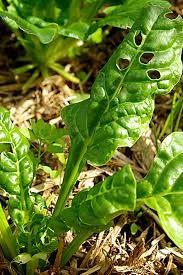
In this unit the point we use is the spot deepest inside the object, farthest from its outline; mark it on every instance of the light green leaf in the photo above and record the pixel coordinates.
(16, 168)
(53, 173)
(95, 208)
(122, 97)
(45, 34)
(162, 188)
(78, 30)
(40, 256)
(55, 148)
(134, 228)
(22, 258)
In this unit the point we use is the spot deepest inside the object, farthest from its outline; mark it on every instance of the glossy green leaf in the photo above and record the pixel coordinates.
(124, 15)
(162, 188)
(45, 34)
(122, 97)
(95, 208)
(16, 169)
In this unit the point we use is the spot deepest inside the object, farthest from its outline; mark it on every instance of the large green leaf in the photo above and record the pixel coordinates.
(95, 208)
(124, 15)
(121, 102)
(162, 188)
(16, 169)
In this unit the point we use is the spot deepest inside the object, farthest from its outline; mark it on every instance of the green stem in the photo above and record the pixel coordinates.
(178, 120)
(7, 240)
(60, 70)
(44, 72)
(72, 171)
(24, 69)
(30, 81)
(74, 245)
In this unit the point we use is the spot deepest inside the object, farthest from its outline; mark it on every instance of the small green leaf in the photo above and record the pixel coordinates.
(46, 132)
(22, 258)
(96, 37)
(54, 148)
(39, 203)
(52, 173)
(162, 188)
(134, 228)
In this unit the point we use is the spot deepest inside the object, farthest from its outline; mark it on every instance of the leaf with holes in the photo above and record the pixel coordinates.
(162, 188)
(94, 209)
(16, 169)
(122, 97)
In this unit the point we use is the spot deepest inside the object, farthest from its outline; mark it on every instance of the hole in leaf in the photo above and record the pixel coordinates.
(154, 74)
(138, 39)
(122, 63)
(146, 58)
(171, 15)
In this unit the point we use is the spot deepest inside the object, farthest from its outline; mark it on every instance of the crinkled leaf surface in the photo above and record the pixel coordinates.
(122, 97)
(162, 188)
(124, 15)
(94, 209)
(16, 169)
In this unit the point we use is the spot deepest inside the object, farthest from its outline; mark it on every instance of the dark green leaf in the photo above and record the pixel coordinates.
(162, 188)
(95, 208)
(45, 34)
(122, 97)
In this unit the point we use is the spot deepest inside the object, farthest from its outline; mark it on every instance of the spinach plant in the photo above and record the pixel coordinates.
(49, 30)
(148, 62)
